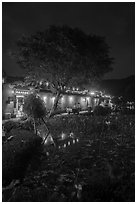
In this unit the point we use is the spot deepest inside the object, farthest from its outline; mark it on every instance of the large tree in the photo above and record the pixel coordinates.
(63, 56)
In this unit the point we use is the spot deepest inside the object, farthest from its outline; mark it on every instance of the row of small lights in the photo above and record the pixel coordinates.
(71, 98)
(22, 92)
(74, 90)
(50, 140)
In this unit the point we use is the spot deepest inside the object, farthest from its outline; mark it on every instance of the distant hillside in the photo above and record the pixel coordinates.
(119, 87)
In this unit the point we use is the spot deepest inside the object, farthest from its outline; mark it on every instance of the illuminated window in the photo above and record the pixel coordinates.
(88, 99)
(92, 93)
(82, 100)
(71, 99)
(62, 99)
(45, 99)
(53, 98)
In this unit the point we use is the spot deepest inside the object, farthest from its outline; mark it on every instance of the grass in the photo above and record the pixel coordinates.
(99, 167)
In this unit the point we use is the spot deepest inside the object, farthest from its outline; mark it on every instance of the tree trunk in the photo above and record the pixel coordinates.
(55, 104)
(50, 114)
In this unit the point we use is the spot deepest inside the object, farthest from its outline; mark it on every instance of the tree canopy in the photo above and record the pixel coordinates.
(64, 56)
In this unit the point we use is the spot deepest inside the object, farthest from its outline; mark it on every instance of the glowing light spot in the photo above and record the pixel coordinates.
(73, 141)
(64, 145)
(45, 98)
(53, 99)
(71, 135)
(63, 136)
(70, 98)
(47, 153)
(68, 143)
(63, 99)
(88, 99)
(73, 89)
(92, 93)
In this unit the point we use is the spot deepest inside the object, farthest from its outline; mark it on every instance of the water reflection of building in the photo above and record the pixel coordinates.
(13, 99)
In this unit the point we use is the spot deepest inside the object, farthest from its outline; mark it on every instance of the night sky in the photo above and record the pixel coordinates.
(115, 21)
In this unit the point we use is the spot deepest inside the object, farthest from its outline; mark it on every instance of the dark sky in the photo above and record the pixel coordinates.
(113, 20)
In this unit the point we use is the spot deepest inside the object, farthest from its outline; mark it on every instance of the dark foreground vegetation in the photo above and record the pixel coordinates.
(96, 164)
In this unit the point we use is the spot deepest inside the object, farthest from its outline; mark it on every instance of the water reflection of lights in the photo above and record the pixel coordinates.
(73, 141)
(77, 140)
(68, 143)
(64, 145)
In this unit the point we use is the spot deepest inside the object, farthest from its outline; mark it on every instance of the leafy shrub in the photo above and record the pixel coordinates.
(18, 154)
(102, 111)
(10, 125)
(27, 125)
